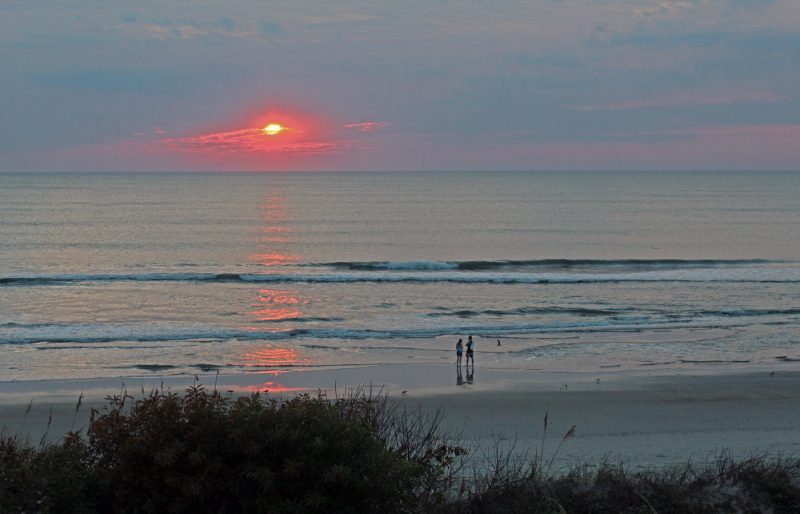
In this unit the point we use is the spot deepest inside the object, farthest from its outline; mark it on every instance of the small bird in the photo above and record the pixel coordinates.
(403, 392)
(498, 342)
(598, 380)
(772, 374)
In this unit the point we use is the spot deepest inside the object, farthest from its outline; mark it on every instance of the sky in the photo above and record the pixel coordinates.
(190, 85)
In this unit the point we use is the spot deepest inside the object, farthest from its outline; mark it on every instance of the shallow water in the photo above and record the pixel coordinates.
(133, 274)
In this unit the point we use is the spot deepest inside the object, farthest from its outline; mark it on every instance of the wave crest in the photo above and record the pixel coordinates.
(550, 264)
(761, 275)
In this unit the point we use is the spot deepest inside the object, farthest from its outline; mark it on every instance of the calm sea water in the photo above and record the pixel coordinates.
(112, 275)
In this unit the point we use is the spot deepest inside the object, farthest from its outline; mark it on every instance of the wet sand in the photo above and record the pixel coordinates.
(659, 419)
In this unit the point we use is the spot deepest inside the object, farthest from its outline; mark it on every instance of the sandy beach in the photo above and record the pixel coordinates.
(658, 420)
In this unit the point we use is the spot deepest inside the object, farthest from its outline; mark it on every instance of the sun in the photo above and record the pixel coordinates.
(273, 129)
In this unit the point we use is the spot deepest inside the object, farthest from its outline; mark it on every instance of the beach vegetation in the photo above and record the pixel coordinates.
(202, 451)
(722, 484)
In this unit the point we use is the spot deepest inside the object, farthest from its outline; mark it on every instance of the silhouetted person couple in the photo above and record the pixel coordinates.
(470, 356)
(470, 351)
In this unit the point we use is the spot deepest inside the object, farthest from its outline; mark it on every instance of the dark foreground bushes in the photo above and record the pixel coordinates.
(203, 452)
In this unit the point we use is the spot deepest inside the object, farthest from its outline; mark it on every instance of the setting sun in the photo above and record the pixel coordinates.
(273, 129)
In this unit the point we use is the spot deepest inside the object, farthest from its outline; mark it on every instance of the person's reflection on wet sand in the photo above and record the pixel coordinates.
(459, 376)
(470, 373)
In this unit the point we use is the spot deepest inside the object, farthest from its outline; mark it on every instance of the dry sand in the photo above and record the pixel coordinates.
(656, 420)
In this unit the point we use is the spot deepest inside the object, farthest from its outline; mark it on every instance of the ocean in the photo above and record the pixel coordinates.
(120, 275)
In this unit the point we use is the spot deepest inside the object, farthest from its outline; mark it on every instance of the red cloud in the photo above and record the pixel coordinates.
(254, 141)
(286, 139)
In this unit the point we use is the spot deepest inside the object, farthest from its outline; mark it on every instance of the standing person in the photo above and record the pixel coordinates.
(470, 351)
(459, 351)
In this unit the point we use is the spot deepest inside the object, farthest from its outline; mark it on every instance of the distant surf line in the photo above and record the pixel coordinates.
(733, 276)
(532, 263)
(67, 334)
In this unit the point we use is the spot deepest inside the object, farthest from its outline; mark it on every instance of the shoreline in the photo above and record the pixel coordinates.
(422, 379)
(655, 420)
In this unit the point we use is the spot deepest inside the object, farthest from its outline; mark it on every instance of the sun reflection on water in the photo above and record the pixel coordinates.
(273, 305)
(276, 305)
(274, 259)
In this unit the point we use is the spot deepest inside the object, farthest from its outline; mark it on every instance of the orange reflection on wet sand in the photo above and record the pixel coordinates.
(265, 387)
(274, 387)
(273, 356)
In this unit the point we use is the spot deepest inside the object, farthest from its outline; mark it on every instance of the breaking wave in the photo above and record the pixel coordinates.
(99, 333)
(721, 274)
(554, 264)
(577, 311)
